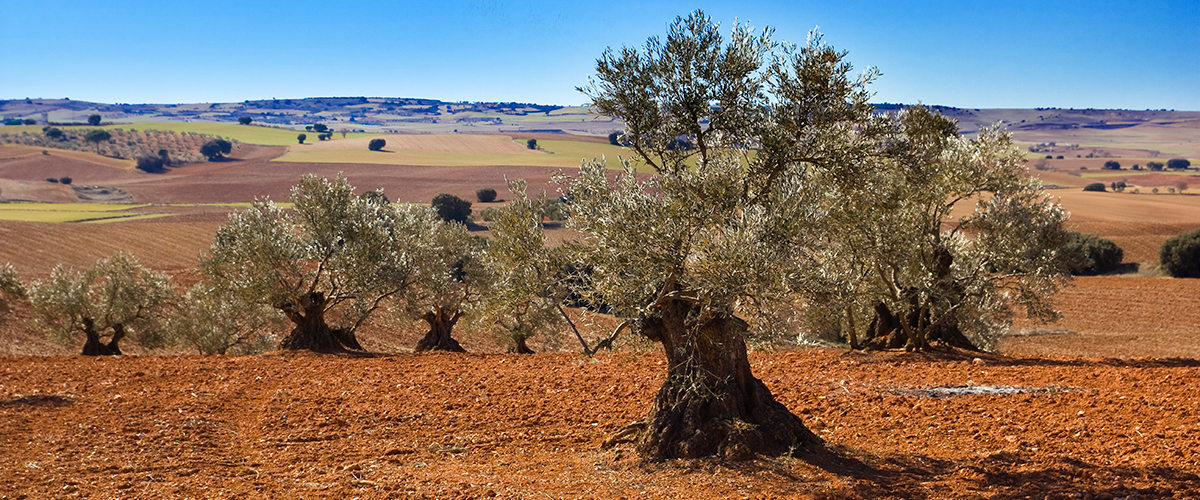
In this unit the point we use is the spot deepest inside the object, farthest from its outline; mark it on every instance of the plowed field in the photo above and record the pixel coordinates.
(511, 426)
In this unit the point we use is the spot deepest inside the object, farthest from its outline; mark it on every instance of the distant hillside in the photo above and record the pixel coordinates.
(373, 114)
(406, 115)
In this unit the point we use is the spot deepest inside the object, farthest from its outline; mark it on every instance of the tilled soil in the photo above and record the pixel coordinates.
(513, 426)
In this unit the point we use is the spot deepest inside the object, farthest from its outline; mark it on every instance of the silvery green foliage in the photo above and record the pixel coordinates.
(451, 276)
(525, 295)
(357, 252)
(114, 292)
(733, 133)
(11, 287)
(902, 229)
(216, 323)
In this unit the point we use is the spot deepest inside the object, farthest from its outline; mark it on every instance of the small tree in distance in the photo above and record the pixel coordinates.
(1112, 165)
(214, 150)
(96, 137)
(485, 195)
(1095, 186)
(1178, 164)
(1093, 255)
(94, 120)
(301, 138)
(531, 144)
(452, 208)
(245, 120)
(374, 145)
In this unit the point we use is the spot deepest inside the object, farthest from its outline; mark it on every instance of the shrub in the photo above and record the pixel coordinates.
(245, 120)
(1060, 157)
(452, 208)
(301, 138)
(320, 137)
(29, 121)
(94, 120)
(489, 214)
(1154, 165)
(320, 127)
(555, 210)
(1112, 165)
(485, 195)
(64, 180)
(531, 144)
(1178, 164)
(1095, 255)
(1180, 255)
(376, 144)
(214, 149)
(54, 133)
(150, 163)
(1095, 186)
(52, 179)
(614, 138)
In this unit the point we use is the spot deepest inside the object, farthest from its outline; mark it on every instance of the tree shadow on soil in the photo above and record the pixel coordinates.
(941, 354)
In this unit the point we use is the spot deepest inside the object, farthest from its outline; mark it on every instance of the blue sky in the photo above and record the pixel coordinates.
(996, 54)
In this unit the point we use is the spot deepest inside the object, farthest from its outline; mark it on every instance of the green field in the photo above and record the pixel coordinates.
(68, 212)
(561, 154)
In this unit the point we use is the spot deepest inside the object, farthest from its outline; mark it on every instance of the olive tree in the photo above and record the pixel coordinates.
(114, 298)
(11, 288)
(452, 279)
(716, 231)
(333, 257)
(213, 322)
(899, 249)
(526, 295)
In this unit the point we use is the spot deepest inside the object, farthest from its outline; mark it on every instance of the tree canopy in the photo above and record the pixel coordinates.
(114, 298)
(334, 257)
(216, 149)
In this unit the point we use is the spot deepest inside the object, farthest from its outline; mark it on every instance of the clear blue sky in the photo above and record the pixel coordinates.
(1017, 53)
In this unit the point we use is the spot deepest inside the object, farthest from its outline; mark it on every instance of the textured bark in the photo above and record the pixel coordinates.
(441, 328)
(711, 403)
(522, 347)
(310, 332)
(93, 347)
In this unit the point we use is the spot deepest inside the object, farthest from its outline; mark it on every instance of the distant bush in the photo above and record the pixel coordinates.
(320, 127)
(376, 144)
(1060, 157)
(1112, 165)
(1154, 165)
(245, 120)
(150, 164)
(54, 133)
(531, 144)
(301, 138)
(485, 195)
(320, 137)
(1095, 186)
(1180, 255)
(64, 180)
(13, 121)
(216, 149)
(29, 121)
(52, 179)
(1178, 164)
(1096, 255)
(555, 210)
(614, 138)
(94, 120)
(452, 208)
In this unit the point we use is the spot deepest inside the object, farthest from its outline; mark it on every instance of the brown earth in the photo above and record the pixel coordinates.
(432, 143)
(513, 426)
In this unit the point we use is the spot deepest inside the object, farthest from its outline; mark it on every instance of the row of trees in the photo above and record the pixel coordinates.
(179, 147)
(326, 266)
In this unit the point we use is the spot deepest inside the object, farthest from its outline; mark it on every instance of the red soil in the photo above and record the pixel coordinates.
(511, 426)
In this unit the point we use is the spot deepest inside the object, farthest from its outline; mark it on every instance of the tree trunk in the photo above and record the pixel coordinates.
(310, 332)
(92, 346)
(522, 347)
(711, 403)
(441, 326)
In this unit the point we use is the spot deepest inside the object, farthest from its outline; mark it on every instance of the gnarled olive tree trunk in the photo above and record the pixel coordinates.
(93, 347)
(441, 327)
(711, 403)
(310, 331)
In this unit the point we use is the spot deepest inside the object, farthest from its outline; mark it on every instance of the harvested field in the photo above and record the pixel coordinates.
(1139, 240)
(164, 244)
(1126, 207)
(512, 426)
(430, 143)
(1117, 316)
